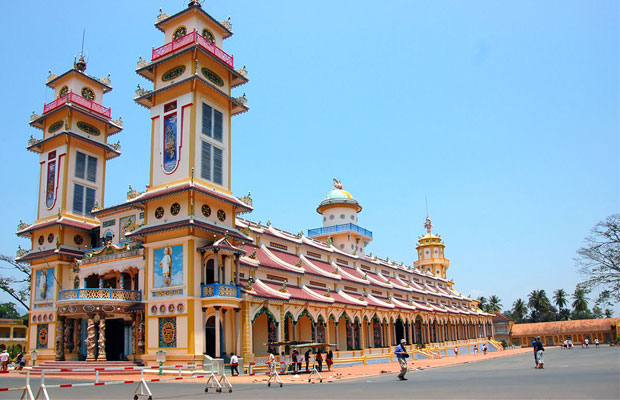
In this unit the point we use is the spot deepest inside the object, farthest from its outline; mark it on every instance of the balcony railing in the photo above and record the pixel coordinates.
(339, 228)
(130, 248)
(100, 294)
(79, 100)
(189, 39)
(220, 290)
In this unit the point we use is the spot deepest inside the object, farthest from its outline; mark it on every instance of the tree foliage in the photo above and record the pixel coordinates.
(7, 310)
(560, 298)
(16, 285)
(599, 259)
(494, 304)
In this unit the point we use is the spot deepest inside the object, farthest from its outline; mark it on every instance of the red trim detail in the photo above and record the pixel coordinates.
(99, 383)
(66, 385)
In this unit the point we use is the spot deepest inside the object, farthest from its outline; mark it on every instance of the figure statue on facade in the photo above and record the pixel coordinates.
(141, 337)
(90, 340)
(60, 343)
(165, 265)
(337, 184)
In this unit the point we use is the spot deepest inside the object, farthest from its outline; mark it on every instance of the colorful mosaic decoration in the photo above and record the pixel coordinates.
(88, 128)
(126, 224)
(172, 292)
(207, 34)
(55, 127)
(175, 209)
(159, 212)
(179, 32)
(173, 73)
(167, 332)
(108, 223)
(168, 268)
(221, 215)
(45, 284)
(63, 91)
(206, 210)
(88, 93)
(170, 144)
(42, 335)
(212, 76)
(50, 188)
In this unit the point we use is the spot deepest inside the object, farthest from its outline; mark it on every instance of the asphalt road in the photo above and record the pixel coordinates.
(574, 374)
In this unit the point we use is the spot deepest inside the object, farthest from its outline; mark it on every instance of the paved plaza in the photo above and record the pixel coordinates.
(574, 374)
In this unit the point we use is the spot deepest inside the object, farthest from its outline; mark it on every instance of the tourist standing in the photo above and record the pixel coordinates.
(535, 359)
(596, 342)
(587, 342)
(234, 364)
(484, 349)
(539, 353)
(319, 360)
(307, 359)
(456, 351)
(300, 359)
(402, 355)
(475, 349)
(4, 359)
(329, 358)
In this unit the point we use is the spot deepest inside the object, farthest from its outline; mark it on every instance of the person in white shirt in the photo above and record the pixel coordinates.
(4, 359)
(234, 365)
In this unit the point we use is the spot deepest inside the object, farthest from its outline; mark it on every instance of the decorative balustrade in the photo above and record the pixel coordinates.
(100, 294)
(220, 290)
(339, 228)
(113, 252)
(79, 100)
(189, 39)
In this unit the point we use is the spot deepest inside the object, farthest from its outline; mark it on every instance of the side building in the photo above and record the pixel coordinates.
(176, 267)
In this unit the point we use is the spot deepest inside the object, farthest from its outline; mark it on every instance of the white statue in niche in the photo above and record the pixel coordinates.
(165, 264)
(43, 284)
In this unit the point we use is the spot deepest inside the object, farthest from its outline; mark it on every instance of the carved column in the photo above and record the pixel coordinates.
(90, 339)
(101, 356)
(78, 334)
(141, 333)
(237, 269)
(238, 331)
(68, 334)
(134, 335)
(217, 332)
(60, 341)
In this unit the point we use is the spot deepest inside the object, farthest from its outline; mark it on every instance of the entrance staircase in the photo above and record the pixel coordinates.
(36, 370)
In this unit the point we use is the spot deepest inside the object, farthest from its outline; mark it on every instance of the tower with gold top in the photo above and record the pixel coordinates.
(73, 151)
(431, 256)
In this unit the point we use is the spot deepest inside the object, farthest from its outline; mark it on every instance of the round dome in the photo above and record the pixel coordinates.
(339, 194)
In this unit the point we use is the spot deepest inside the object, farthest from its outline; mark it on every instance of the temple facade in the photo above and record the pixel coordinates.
(179, 267)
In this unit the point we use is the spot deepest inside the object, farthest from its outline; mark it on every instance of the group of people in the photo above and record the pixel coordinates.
(20, 361)
(294, 364)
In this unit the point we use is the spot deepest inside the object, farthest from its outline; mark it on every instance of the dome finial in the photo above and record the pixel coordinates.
(428, 224)
(337, 184)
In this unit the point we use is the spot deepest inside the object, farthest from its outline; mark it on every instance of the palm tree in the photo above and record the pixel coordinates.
(580, 302)
(482, 303)
(519, 309)
(494, 304)
(560, 298)
(539, 303)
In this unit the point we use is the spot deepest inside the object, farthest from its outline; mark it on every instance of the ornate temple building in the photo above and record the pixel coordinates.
(176, 267)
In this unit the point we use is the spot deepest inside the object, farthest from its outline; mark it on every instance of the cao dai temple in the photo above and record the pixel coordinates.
(177, 268)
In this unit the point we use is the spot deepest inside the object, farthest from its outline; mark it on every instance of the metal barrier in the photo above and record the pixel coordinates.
(141, 390)
(26, 390)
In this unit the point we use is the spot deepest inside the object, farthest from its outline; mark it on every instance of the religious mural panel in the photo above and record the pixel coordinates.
(168, 268)
(42, 334)
(50, 191)
(168, 332)
(170, 143)
(45, 284)
(126, 224)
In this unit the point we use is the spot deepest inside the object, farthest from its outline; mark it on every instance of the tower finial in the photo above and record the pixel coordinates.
(337, 184)
(428, 224)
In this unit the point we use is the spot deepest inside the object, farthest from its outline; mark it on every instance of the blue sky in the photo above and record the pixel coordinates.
(504, 115)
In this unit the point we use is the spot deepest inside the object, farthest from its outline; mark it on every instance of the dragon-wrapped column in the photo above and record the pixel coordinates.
(90, 339)
(60, 340)
(101, 356)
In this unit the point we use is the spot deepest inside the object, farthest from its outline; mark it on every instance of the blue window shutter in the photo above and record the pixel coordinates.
(78, 199)
(206, 119)
(80, 164)
(205, 168)
(218, 160)
(217, 125)
(91, 172)
(90, 201)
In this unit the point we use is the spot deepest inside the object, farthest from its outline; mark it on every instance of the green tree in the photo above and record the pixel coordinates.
(560, 298)
(608, 313)
(519, 310)
(7, 310)
(540, 306)
(599, 259)
(580, 301)
(483, 303)
(16, 285)
(494, 304)
(597, 312)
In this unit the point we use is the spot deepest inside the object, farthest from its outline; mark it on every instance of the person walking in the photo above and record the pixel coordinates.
(307, 359)
(484, 349)
(319, 360)
(300, 360)
(596, 342)
(329, 359)
(402, 355)
(535, 359)
(234, 364)
(540, 362)
(587, 342)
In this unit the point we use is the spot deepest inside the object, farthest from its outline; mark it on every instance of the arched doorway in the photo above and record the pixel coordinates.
(209, 273)
(418, 330)
(376, 332)
(264, 330)
(114, 339)
(400, 328)
(210, 337)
